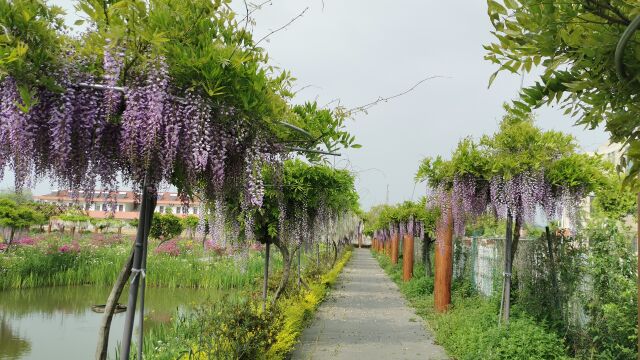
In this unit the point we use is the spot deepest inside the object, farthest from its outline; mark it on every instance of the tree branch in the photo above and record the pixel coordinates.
(281, 28)
(365, 107)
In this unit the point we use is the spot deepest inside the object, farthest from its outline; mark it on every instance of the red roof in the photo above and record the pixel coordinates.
(122, 197)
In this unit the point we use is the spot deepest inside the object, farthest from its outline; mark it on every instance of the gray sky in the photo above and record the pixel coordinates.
(358, 50)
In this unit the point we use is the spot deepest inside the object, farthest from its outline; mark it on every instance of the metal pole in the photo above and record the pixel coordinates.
(506, 285)
(299, 263)
(265, 285)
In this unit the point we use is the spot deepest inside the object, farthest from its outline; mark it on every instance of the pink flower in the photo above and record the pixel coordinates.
(68, 248)
(26, 241)
(215, 247)
(65, 248)
(169, 248)
(3, 246)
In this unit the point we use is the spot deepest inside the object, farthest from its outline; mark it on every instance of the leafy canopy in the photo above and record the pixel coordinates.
(383, 216)
(304, 187)
(16, 216)
(573, 43)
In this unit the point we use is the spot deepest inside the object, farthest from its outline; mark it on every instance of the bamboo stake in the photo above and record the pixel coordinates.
(146, 211)
(143, 282)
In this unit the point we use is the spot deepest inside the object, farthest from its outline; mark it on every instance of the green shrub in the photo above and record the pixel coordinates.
(165, 227)
(470, 329)
(234, 328)
(612, 303)
(226, 330)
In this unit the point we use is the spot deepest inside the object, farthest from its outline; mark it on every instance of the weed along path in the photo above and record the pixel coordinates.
(364, 318)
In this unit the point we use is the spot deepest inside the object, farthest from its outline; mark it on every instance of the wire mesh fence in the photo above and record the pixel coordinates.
(545, 279)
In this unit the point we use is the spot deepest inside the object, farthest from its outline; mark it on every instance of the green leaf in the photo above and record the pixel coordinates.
(492, 78)
(511, 4)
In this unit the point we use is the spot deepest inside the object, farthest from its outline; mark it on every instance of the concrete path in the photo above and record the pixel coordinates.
(366, 318)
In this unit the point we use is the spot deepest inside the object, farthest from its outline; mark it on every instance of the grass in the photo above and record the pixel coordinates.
(470, 330)
(240, 329)
(235, 319)
(45, 265)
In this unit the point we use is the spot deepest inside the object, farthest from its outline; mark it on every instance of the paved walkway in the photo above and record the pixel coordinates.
(366, 318)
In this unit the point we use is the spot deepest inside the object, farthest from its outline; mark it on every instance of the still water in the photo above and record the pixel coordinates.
(57, 322)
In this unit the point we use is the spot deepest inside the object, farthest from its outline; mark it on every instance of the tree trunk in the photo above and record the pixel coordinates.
(318, 254)
(444, 263)
(335, 253)
(286, 269)
(265, 281)
(506, 284)
(516, 238)
(552, 267)
(12, 232)
(426, 256)
(105, 325)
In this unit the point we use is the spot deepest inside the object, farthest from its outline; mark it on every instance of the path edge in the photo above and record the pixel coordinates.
(298, 311)
(424, 320)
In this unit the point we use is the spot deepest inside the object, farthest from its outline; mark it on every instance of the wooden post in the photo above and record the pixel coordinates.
(394, 248)
(444, 263)
(407, 257)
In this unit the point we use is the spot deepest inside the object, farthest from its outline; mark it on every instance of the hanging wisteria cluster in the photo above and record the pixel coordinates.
(520, 196)
(520, 191)
(76, 137)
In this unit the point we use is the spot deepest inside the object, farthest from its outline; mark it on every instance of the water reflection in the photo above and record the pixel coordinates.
(11, 343)
(57, 322)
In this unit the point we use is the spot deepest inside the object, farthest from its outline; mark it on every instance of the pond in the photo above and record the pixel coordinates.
(58, 323)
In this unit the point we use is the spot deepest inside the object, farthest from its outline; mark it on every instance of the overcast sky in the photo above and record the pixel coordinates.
(358, 50)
